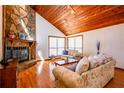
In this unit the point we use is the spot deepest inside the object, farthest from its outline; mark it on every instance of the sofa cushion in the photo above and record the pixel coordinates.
(70, 52)
(93, 63)
(99, 59)
(82, 66)
(65, 52)
(108, 57)
(103, 58)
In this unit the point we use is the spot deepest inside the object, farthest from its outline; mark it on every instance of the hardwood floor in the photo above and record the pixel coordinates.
(37, 76)
(118, 80)
(40, 76)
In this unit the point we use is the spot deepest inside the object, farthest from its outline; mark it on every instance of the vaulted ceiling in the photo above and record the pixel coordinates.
(73, 19)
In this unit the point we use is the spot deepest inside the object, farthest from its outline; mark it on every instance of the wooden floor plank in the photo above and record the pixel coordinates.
(40, 76)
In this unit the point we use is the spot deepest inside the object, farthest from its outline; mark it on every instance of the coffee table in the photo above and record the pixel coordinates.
(65, 62)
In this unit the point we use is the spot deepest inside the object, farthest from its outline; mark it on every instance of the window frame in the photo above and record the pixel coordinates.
(57, 46)
(74, 42)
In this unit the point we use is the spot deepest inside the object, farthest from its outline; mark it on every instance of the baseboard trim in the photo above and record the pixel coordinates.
(119, 68)
(46, 59)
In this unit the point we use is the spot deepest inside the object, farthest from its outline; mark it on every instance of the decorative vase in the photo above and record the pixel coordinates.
(98, 47)
(22, 36)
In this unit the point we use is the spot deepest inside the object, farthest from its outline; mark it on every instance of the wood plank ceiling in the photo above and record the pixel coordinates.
(75, 19)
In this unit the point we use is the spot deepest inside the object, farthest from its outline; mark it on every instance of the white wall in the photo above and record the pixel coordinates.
(0, 32)
(43, 30)
(112, 42)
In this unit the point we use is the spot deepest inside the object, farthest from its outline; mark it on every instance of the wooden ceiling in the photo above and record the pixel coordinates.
(75, 19)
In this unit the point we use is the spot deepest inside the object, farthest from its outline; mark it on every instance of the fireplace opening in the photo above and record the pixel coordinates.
(20, 53)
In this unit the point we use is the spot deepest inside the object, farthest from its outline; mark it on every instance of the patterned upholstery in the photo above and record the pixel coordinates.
(94, 78)
(73, 54)
(82, 66)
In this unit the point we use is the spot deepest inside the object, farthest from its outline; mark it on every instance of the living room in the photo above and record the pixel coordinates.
(56, 39)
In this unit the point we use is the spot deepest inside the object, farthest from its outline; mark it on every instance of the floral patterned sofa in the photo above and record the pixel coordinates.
(96, 77)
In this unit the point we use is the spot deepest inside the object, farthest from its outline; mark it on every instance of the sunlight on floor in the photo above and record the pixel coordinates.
(51, 67)
(40, 67)
(40, 55)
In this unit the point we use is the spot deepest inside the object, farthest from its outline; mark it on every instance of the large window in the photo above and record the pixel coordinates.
(56, 45)
(75, 43)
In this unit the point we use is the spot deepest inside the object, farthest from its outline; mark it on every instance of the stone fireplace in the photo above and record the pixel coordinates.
(20, 35)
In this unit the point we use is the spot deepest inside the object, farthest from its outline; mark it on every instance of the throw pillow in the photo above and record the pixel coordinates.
(102, 58)
(82, 66)
(70, 52)
(93, 63)
(98, 59)
(108, 57)
(65, 52)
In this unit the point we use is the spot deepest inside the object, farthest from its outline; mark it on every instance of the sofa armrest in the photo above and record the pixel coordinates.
(113, 62)
(69, 78)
